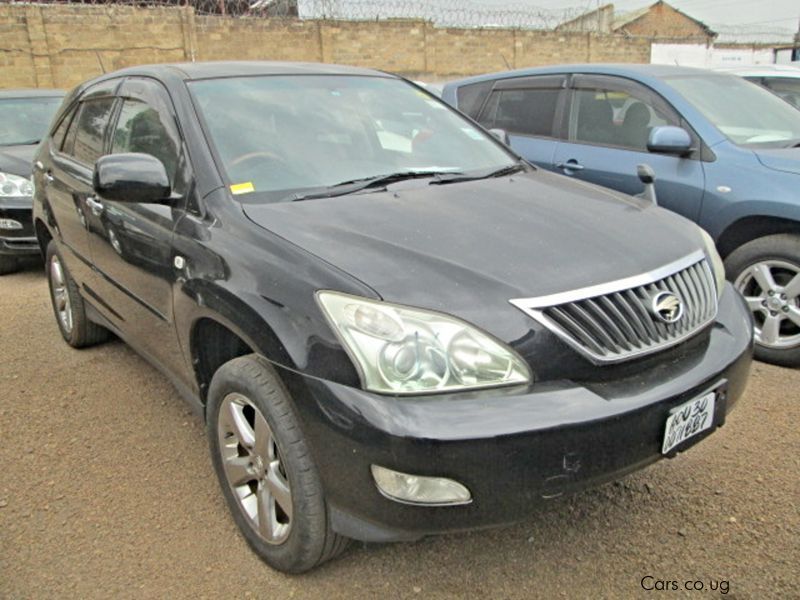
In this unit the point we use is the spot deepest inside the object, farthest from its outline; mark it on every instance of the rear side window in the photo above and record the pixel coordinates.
(470, 97)
(87, 131)
(61, 131)
(523, 111)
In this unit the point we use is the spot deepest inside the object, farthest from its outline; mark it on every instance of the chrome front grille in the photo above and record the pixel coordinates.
(617, 321)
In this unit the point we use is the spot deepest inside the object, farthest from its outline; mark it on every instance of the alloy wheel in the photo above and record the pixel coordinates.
(772, 291)
(253, 468)
(58, 282)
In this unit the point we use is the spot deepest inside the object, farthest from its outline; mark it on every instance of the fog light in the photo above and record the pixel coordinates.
(10, 224)
(417, 489)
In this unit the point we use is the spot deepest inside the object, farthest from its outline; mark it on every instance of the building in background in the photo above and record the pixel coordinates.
(661, 20)
(680, 39)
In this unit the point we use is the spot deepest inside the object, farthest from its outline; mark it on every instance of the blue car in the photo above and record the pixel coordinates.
(726, 154)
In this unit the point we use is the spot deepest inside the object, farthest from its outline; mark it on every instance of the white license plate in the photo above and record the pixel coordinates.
(687, 420)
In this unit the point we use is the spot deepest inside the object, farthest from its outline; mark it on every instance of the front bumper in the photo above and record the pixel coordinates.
(18, 242)
(514, 448)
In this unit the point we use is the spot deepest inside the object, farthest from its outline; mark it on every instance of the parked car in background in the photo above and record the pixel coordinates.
(726, 155)
(781, 80)
(24, 118)
(386, 340)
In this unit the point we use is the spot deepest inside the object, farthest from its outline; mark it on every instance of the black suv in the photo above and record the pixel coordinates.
(392, 325)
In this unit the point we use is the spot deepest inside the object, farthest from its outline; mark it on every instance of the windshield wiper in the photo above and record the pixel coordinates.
(501, 172)
(356, 185)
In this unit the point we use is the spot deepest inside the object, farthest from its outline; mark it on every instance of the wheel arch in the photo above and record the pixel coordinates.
(211, 345)
(747, 229)
(43, 235)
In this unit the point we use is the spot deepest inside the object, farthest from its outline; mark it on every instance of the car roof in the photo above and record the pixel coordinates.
(31, 93)
(632, 70)
(218, 69)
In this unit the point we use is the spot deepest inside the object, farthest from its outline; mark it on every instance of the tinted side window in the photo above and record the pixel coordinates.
(142, 128)
(616, 117)
(61, 131)
(470, 97)
(525, 111)
(90, 126)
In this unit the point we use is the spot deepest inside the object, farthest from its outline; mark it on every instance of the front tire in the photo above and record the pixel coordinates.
(265, 469)
(75, 327)
(767, 273)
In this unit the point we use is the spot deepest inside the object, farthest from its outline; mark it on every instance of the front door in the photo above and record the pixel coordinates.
(131, 242)
(610, 119)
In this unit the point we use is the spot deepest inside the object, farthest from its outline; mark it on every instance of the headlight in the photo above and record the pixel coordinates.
(714, 258)
(402, 350)
(14, 185)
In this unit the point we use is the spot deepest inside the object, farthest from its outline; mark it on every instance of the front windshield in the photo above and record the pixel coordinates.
(25, 120)
(280, 135)
(746, 113)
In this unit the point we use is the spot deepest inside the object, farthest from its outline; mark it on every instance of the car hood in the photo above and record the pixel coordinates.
(17, 160)
(780, 159)
(465, 247)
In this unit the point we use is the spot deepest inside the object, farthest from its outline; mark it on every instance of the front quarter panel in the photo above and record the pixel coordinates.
(738, 186)
(262, 288)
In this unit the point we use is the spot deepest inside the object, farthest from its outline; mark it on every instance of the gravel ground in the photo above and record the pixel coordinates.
(106, 490)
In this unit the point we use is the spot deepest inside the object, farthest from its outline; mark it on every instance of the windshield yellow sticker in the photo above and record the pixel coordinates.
(242, 188)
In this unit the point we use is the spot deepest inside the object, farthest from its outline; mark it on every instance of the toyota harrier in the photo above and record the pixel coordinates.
(392, 325)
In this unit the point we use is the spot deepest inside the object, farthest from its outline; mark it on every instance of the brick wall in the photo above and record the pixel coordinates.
(663, 21)
(60, 46)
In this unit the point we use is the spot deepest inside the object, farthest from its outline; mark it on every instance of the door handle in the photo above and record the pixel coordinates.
(48, 178)
(97, 207)
(570, 165)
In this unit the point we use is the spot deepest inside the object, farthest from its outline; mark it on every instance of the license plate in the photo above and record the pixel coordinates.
(688, 420)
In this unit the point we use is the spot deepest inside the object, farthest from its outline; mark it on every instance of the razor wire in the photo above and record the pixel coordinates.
(443, 13)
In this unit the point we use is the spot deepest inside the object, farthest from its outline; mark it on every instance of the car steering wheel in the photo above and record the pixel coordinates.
(259, 154)
(250, 161)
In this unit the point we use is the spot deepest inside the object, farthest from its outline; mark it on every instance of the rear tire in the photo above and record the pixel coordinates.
(75, 327)
(8, 264)
(265, 469)
(767, 273)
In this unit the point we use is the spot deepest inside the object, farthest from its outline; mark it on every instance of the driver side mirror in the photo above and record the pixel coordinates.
(669, 139)
(501, 134)
(131, 177)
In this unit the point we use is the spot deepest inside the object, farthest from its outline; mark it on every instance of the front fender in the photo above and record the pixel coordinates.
(261, 287)
(729, 214)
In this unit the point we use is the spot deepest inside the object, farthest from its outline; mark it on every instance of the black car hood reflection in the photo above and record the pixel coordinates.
(463, 247)
(17, 160)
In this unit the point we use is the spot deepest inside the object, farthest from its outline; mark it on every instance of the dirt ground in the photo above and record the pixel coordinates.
(106, 491)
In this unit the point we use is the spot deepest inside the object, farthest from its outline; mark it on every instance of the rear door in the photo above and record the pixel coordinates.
(609, 121)
(131, 242)
(76, 144)
(530, 110)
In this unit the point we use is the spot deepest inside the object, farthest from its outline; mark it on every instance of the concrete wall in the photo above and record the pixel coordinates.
(62, 45)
